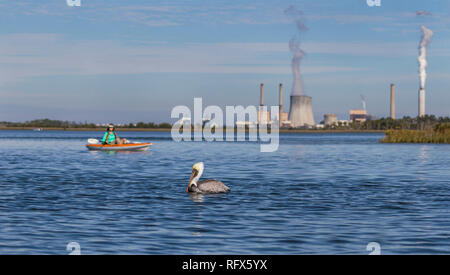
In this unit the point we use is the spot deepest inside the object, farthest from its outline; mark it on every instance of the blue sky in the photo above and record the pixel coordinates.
(135, 60)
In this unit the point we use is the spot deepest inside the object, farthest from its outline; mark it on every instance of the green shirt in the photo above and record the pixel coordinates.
(111, 137)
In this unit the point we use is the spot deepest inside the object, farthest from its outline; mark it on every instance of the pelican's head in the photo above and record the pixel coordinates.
(197, 171)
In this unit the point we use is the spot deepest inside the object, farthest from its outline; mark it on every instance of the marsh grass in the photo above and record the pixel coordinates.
(440, 134)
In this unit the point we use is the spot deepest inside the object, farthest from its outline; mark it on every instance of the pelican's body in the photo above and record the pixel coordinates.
(211, 186)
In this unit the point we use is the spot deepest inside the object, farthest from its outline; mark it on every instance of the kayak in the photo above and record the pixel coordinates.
(119, 147)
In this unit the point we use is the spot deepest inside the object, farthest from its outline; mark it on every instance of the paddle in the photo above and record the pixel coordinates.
(93, 141)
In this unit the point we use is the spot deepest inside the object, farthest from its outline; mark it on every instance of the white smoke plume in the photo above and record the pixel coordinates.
(294, 46)
(363, 101)
(427, 34)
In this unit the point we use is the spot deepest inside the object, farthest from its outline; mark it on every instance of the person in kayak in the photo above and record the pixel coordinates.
(110, 137)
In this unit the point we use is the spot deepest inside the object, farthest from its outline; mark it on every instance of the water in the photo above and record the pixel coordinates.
(319, 193)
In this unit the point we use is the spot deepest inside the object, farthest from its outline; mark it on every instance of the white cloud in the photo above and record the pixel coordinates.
(171, 13)
(30, 55)
(353, 18)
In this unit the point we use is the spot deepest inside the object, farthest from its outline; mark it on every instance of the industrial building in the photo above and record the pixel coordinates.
(284, 121)
(330, 119)
(343, 122)
(264, 115)
(358, 116)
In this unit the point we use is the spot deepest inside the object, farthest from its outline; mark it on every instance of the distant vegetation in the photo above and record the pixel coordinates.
(48, 123)
(439, 134)
(427, 122)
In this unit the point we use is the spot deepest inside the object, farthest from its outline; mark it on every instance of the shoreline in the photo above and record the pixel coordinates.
(284, 131)
(84, 129)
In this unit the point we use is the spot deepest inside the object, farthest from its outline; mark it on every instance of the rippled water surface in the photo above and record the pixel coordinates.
(319, 193)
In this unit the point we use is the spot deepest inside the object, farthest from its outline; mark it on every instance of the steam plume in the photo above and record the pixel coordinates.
(363, 101)
(427, 34)
(298, 53)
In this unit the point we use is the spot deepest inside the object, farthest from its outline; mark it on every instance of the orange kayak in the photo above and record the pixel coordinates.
(119, 147)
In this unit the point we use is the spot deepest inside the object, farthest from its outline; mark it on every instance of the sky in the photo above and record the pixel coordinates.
(129, 61)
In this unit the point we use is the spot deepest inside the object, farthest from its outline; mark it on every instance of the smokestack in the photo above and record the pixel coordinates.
(281, 104)
(392, 101)
(421, 102)
(262, 95)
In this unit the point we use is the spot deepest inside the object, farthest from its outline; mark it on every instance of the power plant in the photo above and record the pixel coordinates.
(300, 112)
(392, 115)
(264, 115)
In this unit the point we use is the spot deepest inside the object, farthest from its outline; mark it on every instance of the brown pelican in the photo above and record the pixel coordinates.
(205, 186)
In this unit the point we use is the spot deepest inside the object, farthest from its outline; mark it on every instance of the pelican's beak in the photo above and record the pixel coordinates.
(193, 174)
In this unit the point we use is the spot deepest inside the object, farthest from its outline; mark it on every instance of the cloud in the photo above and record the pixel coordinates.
(353, 18)
(175, 13)
(423, 12)
(35, 55)
(152, 13)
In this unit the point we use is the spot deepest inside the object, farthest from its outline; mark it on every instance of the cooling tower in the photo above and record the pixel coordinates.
(421, 102)
(392, 101)
(330, 119)
(300, 113)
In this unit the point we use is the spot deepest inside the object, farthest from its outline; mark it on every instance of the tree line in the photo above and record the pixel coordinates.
(427, 122)
(49, 123)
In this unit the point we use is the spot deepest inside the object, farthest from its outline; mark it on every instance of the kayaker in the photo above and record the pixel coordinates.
(110, 136)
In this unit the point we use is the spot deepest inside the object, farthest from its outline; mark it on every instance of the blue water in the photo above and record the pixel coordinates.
(318, 194)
